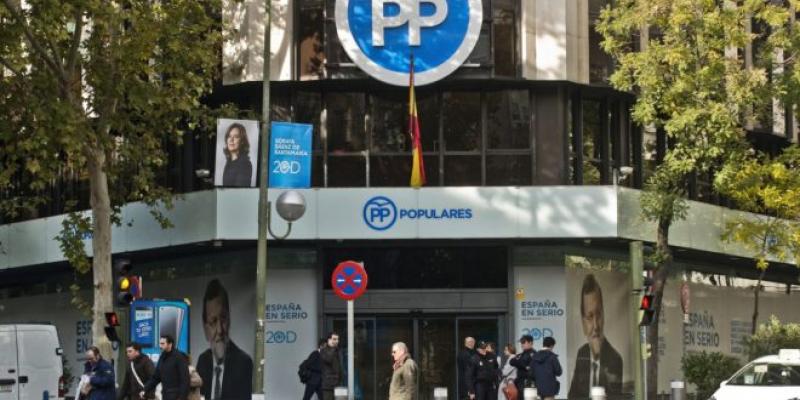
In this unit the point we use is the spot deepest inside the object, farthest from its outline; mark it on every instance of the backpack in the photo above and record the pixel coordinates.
(303, 371)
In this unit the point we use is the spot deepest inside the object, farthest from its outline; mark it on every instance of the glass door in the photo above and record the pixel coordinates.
(433, 341)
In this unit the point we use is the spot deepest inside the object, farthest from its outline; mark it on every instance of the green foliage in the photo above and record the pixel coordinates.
(105, 81)
(771, 337)
(771, 188)
(707, 370)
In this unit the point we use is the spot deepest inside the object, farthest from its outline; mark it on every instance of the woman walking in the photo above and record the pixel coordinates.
(508, 374)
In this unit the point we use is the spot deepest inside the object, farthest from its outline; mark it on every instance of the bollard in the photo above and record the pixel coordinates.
(340, 393)
(678, 390)
(598, 393)
(530, 394)
(440, 393)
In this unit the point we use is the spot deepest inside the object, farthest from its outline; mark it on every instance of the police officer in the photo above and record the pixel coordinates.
(522, 363)
(482, 374)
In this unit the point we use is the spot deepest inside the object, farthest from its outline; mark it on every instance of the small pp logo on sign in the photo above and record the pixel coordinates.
(380, 36)
(380, 213)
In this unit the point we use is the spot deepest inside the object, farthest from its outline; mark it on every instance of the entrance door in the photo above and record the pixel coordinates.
(434, 342)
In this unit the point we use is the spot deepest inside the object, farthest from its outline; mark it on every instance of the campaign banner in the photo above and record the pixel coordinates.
(237, 153)
(290, 155)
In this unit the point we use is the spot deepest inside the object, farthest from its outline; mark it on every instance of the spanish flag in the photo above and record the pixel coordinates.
(417, 164)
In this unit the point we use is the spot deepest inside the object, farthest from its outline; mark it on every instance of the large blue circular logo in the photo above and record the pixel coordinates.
(379, 213)
(380, 36)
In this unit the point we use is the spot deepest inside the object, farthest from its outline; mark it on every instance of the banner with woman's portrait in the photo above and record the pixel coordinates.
(237, 153)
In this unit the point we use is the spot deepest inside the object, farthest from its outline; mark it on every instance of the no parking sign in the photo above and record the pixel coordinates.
(349, 280)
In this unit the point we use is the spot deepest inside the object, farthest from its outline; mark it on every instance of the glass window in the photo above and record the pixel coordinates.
(345, 122)
(389, 118)
(395, 171)
(462, 171)
(318, 171)
(428, 112)
(426, 267)
(308, 106)
(334, 51)
(509, 119)
(592, 135)
(505, 33)
(767, 374)
(511, 170)
(462, 121)
(482, 53)
(600, 63)
(311, 51)
(347, 171)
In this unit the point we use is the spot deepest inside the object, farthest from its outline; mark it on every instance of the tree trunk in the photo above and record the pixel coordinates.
(659, 283)
(757, 291)
(101, 249)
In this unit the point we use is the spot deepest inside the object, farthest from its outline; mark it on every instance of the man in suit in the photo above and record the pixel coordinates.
(464, 360)
(597, 364)
(227, 371)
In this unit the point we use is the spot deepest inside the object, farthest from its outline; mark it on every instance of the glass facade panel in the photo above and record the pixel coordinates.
(346, 122)
(462, 170)
(390, 170)
(505, 35)
(389, 116)
(510, 170)
(592, 134)
(307, 109)
(509, 119)
(347, 171)
(311, 50)
(462, 120)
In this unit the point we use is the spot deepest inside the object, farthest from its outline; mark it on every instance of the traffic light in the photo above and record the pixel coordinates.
(129, 287)
(112, 320)
(647, 305)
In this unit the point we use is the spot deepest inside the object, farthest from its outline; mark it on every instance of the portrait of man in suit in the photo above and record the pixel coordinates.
(226, 369)
(597, 363)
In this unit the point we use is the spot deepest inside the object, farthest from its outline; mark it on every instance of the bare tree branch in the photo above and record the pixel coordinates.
(10, 67)
(35, 44)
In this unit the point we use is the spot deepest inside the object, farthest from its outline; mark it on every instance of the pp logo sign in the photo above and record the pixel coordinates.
(379, 213)
(381, 35)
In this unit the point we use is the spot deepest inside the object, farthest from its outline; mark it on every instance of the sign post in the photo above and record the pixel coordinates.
(349, 281)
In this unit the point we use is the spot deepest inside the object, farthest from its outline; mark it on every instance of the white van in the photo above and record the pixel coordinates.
(30, 363)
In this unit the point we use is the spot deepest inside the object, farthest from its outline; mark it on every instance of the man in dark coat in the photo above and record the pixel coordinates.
(172, 372)
(464, 359)
(598, 363)
(331, 366)
(546, 369)
(101, 376)
(482, 374)
(522, 362)
(226, 370)
(139, 365)
(314, 368)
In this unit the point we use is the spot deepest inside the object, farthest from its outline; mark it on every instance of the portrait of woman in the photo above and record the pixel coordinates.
(238, 170)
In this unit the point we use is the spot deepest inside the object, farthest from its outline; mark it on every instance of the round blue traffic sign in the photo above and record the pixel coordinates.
(380, 36)
(349, 280)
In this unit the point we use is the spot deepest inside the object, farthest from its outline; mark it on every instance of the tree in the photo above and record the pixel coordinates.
(679, 57)
(95, 89)
(769, 187)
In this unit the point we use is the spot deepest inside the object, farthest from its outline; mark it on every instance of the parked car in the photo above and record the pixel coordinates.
(770, 377)
(30, 362)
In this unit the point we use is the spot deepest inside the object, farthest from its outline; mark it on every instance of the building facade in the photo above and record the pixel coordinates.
(525, 208)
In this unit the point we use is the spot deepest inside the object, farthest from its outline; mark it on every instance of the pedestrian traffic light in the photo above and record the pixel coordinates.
(129, 286)
(647, 305)
(112, 320)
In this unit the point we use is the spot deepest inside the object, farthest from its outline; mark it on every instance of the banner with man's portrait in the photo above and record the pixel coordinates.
(236, 153)
(598, 327)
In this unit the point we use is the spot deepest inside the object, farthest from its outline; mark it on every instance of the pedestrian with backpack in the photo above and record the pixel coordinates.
(310, 373)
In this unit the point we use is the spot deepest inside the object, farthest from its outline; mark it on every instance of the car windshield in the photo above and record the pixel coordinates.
(767, 374)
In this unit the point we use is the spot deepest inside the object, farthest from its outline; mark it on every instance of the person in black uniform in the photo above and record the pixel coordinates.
(482, 374)
(238, 169)
(522, 362)
(172, 372)
(464, 358)
(314, 383)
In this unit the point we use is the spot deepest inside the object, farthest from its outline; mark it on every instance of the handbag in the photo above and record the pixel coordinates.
(510, 390)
